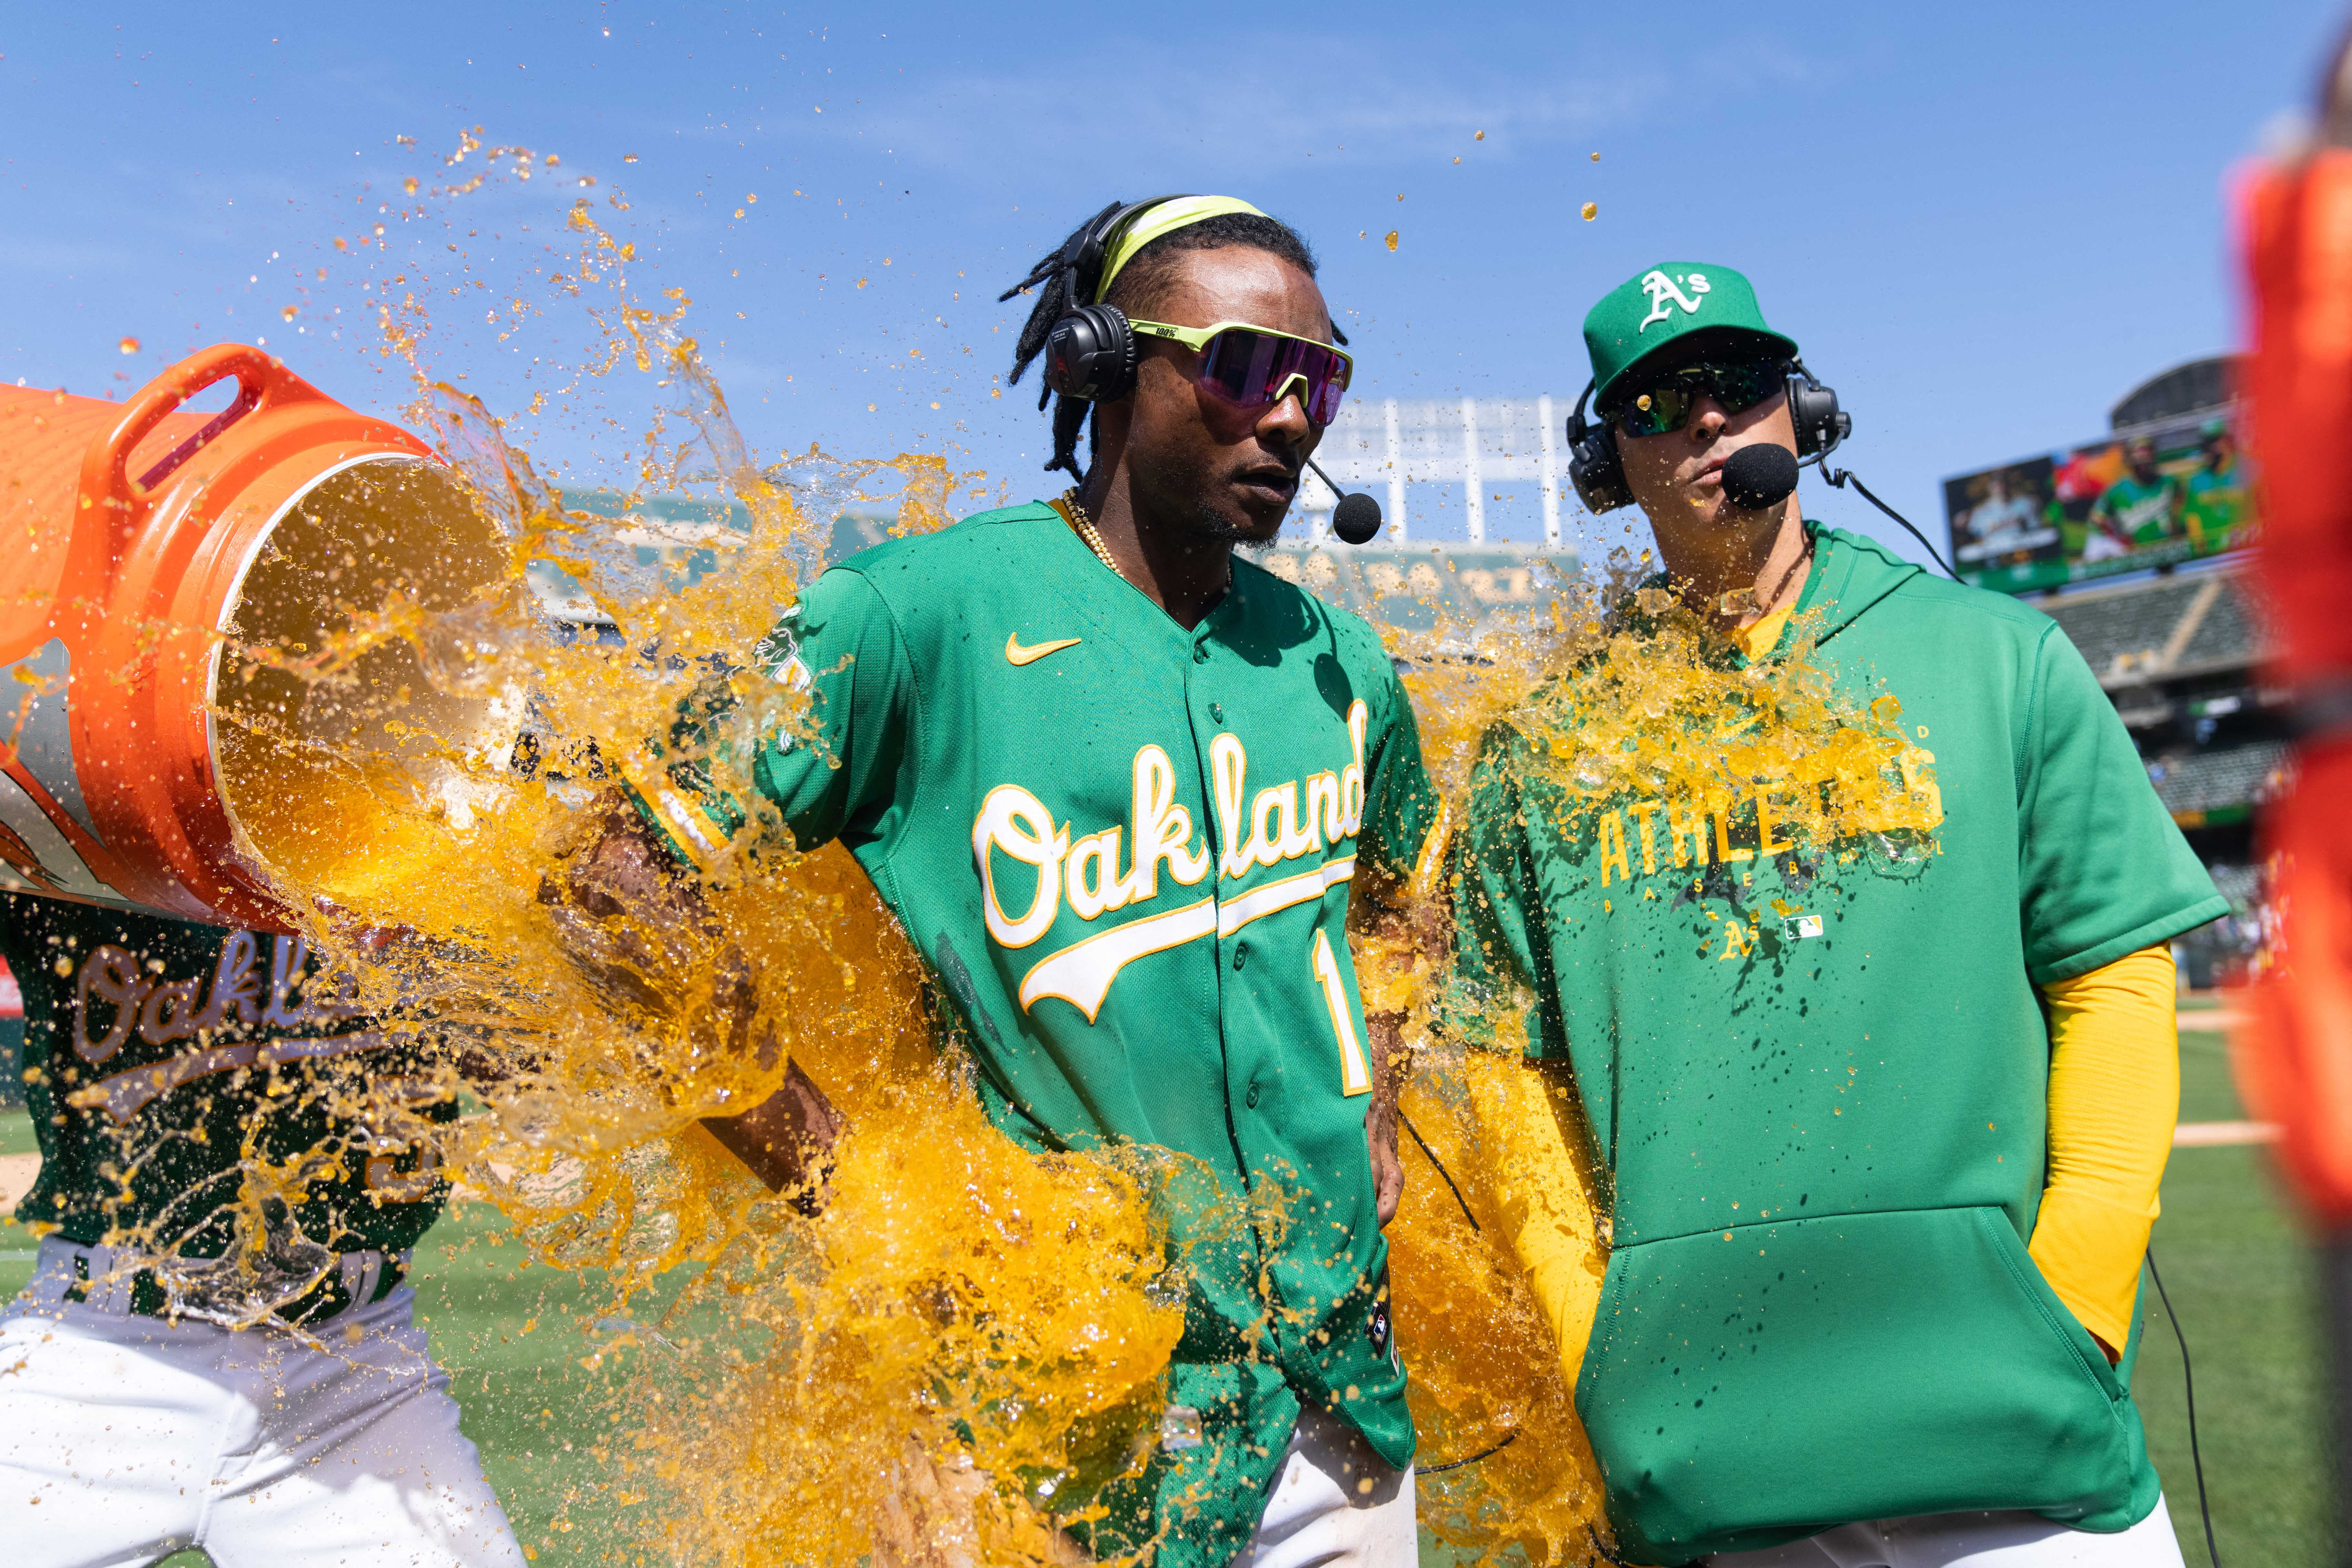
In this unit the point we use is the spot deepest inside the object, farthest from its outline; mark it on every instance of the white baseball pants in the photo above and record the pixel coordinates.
(124, 1438)
(1336, 1504)
(1972, 1540)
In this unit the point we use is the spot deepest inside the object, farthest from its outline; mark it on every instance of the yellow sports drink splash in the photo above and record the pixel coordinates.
(949, 1359)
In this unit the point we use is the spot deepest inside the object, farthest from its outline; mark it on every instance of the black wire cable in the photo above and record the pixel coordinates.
(2188, 1382)
(1439, 1166)
(1842, 477)
(1444, 1177)
(1509, 1438)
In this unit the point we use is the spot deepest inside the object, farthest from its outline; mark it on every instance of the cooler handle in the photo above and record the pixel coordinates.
(105, 476)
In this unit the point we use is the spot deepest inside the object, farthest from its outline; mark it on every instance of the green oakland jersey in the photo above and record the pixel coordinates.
(161, 1056)
(1817, 1075)
(2141, 513)
(2215, 505)
(1125, 851)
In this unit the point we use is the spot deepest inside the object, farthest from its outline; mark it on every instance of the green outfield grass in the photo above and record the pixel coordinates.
(2240, 1280)
(2230, 1252)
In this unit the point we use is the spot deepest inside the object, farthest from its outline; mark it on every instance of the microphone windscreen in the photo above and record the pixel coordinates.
(1759, 475)
(1357, 517)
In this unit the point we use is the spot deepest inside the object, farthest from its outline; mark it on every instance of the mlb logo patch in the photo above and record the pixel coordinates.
(1797, 928)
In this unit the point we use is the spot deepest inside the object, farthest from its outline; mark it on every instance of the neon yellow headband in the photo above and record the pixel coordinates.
(1165, 218)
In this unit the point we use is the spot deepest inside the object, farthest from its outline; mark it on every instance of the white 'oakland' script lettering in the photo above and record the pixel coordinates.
(1089, 874)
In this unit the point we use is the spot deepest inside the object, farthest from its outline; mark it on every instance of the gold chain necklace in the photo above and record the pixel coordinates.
(1087, 530)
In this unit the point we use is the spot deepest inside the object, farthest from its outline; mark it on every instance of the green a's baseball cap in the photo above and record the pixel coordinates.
(1669, 302)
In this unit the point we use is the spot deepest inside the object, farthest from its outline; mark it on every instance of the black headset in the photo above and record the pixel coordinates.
(1594, 469)
(1090, 351)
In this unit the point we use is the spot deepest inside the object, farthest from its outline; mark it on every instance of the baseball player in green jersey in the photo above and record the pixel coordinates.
(2216, 497)
(185, 1081)
(1881, 1118)
(2142, 506)
(1120, 785)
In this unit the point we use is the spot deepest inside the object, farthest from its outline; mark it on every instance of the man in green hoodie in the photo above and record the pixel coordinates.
(1881, 1118)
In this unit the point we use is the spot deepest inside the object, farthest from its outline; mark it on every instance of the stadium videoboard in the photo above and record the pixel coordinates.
(2176, 493)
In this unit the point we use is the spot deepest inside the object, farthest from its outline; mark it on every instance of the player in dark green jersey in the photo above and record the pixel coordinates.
(216, 1348)
(150, 1044)
(1119, 785)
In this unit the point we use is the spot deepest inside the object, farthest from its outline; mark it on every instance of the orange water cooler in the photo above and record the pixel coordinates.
(178, 594)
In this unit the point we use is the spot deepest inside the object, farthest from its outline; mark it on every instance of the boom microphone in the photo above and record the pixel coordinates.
(1760, 475)
(1358, 516)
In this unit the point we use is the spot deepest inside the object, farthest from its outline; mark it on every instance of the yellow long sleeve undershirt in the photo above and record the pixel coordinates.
(1543, 1186)
(2115, 1095)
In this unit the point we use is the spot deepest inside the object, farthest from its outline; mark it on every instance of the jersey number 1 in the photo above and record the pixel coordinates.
(1355, 1077)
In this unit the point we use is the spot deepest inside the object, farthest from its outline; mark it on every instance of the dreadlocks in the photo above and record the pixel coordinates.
(1136, 291)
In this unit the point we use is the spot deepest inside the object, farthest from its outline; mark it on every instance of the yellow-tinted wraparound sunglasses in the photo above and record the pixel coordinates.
(1255, 367)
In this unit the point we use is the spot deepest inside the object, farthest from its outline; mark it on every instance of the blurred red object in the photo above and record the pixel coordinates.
(2293, 1056)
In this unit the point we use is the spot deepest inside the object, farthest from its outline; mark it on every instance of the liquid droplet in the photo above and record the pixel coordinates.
(1392, 239)
(632, 157)
(289, 312)
(1480, 137)
(1591, 211)
(128, 345)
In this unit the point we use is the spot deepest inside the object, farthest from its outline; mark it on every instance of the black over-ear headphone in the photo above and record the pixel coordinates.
(1599, 478)
(1592, 463)
(1091, 351)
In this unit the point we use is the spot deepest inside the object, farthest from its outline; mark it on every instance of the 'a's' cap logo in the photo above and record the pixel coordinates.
(1662, 289)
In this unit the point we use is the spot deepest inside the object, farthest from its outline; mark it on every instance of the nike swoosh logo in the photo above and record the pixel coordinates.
(1015, 654)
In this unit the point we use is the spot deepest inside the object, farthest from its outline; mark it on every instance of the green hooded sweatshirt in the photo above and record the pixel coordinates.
(1817, 1078)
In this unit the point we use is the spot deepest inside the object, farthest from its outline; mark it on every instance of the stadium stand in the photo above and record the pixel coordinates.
(2197, 785)
(2123, 631)
(2181, 657)
(2228, 637)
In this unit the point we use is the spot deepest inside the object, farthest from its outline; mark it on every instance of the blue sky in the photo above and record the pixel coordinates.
(1984, 223)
